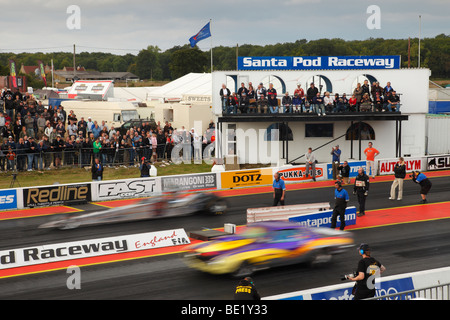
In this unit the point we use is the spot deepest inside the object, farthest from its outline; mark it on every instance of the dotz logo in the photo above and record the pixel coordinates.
(247, 178)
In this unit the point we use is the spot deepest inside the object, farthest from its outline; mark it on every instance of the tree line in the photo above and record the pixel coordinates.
(155, 64)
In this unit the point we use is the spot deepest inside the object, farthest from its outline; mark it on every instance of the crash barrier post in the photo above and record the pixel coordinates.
(388, 285)
(323, 218)
(283, 212)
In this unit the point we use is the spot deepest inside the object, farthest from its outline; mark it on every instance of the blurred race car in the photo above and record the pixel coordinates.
(264, 245)
(163, 206)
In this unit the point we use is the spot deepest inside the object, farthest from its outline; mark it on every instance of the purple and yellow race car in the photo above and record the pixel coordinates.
(265, 245)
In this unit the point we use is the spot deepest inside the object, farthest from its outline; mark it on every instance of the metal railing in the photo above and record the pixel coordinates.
(437, 292)
(81, 157)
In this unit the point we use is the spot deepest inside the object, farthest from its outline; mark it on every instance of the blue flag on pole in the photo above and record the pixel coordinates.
(202, 34)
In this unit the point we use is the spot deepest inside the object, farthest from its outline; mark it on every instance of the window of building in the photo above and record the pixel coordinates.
(278, 132)
(367, 132)
(319, 130)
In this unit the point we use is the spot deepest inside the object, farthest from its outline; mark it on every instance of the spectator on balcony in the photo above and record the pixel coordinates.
(366, 87)
(387, 90)
(297, 103)
(286, 102)
(224, 94)
(378, 102)
(261, 98)
(328, 102)
(311, 93)
(243, 98)
(252, 98)
(376, 89)
(318, 104)
(272, 97)
(338, 103)
(353, 104)
(358, 92)
(366, 103)
(232, 103)
(299, 90)
(345, 101)
(393, 102)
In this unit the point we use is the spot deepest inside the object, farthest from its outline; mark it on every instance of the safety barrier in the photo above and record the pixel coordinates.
(58, 194)
(390, 285)
(284, 212)
(439, 292)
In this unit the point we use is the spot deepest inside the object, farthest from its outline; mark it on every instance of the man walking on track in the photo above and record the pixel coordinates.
(371, 153)
(342, 198)
(279, 190)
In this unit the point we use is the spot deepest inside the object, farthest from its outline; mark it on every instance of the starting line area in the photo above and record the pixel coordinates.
(372, 219)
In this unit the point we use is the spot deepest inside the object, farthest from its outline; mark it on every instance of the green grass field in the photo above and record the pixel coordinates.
(75, 175)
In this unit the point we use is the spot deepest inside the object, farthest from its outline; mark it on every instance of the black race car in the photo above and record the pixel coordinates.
(167, 205)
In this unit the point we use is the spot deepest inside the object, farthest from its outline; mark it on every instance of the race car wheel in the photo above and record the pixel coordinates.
(244, 270)
(216, 207)
(321, 257)
(69, 224)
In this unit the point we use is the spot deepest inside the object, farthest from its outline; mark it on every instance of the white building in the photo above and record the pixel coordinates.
(393, 134)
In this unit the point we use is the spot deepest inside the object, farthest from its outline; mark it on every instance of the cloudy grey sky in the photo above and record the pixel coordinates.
(122, 26)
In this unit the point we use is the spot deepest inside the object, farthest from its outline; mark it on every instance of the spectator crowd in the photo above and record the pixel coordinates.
(36, 137)
(365, 98)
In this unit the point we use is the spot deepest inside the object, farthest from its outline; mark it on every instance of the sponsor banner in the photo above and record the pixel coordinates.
(412, 164)
(296, 174)
(323, 218)
(56, 195)
(189, 182)
(8, 199)
(381, 289)
(91, 248)
(129, 188)
(354, 166)
(319, 62)
(438, 162)
(246, 178)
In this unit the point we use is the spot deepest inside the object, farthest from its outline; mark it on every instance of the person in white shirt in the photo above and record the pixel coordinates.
(328, 102)
(310, 163)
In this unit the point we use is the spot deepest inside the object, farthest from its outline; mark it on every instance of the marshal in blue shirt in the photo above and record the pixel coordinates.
(342, 194)
(279, 184)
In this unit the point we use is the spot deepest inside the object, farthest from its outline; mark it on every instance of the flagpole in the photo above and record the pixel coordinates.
(210, 20)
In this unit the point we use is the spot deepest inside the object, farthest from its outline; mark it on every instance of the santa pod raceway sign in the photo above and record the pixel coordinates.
(91, 248)
(316, 63)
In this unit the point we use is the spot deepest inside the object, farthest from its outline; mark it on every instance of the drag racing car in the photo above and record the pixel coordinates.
(168, 205)
(267, 244)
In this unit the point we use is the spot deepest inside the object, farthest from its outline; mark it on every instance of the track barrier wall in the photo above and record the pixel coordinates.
(76, 193)
(383, 285)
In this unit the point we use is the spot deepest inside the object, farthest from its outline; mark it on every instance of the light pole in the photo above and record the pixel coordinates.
(420, 27)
